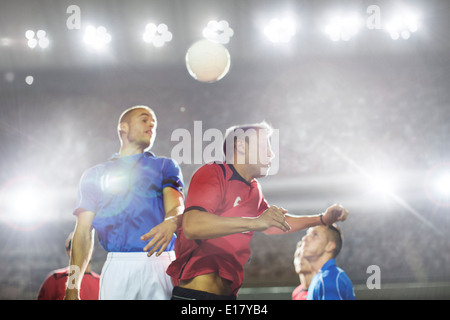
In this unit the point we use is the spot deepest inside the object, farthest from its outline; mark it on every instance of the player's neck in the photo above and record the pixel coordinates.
(318, 262)
(305, 279)
(243, 171)
(130, 149)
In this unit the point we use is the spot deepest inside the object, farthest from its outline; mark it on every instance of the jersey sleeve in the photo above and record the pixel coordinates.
(173, 176)
(205, 189)
(88, 190)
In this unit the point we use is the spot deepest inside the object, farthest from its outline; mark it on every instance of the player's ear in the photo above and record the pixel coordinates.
(331, 245)
(124, 127)
(240, 146)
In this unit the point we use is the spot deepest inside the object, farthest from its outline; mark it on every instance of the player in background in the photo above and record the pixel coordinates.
(320, 246)
(54, 286)
(305, 274)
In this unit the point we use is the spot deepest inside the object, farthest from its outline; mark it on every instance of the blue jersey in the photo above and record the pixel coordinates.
(126, 196)
(331, 283)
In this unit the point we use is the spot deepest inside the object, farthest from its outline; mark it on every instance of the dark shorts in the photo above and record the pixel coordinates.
(179, 293)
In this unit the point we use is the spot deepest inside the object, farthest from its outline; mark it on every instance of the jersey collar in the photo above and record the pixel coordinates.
(236, 175)
(147, 154)
(328, 264)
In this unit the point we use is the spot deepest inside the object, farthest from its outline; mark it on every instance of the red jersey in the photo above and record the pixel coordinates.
(299, 293)
(54, 286)
(218, 189)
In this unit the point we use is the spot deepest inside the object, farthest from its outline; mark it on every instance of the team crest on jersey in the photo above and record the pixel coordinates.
(236, 202)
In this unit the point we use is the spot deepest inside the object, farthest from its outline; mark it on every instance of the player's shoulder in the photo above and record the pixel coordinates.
(151, 157)
(94, 172)
(213, 168)
(342, 275)
(58, 273)
(93, 275)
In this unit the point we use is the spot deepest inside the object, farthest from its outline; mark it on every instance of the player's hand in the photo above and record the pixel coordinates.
(334, 213)
(160, 236)
(272, 217)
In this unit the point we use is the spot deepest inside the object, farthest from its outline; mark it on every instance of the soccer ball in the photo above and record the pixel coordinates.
(207, 61)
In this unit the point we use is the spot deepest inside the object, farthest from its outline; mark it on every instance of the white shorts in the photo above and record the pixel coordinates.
(134, 276)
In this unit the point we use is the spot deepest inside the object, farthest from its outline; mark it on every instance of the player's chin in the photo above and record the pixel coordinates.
(264, 170)
(146, 143)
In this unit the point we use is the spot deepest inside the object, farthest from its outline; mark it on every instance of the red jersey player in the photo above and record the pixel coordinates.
(54, 285)
(224, 206)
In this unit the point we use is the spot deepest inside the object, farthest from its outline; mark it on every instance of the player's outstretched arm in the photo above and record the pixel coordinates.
(332, 214)
(204, 225)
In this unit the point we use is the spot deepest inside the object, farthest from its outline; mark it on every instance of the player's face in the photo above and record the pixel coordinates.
(260, 156)
(142, 127)
(315, 242)
(301, 265)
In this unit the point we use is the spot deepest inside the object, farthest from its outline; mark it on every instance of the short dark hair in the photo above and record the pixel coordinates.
(68, 244)
(336, 237)
(232, 134)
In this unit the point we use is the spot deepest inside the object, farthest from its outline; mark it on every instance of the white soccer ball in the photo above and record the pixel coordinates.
(207, 61)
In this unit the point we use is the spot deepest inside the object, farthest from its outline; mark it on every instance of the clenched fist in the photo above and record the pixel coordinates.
(334, 213)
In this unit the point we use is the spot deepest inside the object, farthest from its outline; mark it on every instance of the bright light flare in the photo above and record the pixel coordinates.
(437, 184)
(38, 38)
(97, 37)
(218, 31)
(281, 30)
(386, 185)
(343, 27)
(25, 203)
(382, 184)
(403, 24)
(157, 35)
(443, 185)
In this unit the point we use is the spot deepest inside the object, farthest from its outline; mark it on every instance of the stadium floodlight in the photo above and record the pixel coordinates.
(281, 30)
(443, 185)
(218, 31)
(97, 37)
(157, 35)
(343, 26)
(32, 42)
(29, 80)
(38, 38)
(437, 184)
(403, 24)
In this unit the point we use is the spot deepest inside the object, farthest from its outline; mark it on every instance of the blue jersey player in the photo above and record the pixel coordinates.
(134, 202)
(320, 246)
